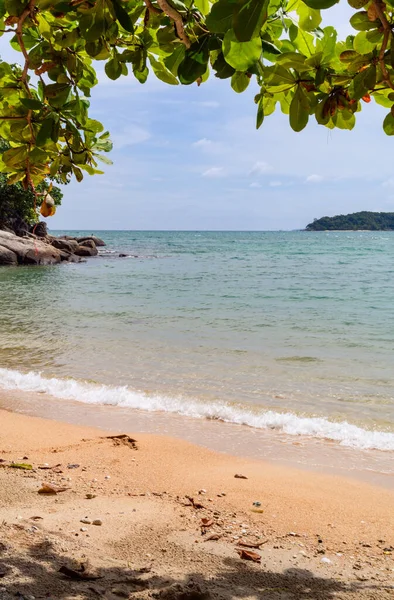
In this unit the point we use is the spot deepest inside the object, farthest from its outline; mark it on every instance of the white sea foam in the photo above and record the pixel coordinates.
(343, 432)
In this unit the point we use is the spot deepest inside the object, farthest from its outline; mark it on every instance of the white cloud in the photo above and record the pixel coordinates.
(207, 103)
(214, 172)
(275, 183)
(260, 168)
(131, 134)
(389, 183)
(314, 179)
(255, 184)
(203, 143)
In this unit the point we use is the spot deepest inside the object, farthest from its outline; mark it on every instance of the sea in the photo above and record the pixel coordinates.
(275, 345)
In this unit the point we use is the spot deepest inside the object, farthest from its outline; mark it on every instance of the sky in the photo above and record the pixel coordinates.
(190, 158)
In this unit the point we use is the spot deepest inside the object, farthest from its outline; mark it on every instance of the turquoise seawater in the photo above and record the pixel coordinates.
(284, 330)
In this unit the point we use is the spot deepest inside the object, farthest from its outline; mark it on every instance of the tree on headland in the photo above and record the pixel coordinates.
(299, 66)
(19, 207)
(366, 220)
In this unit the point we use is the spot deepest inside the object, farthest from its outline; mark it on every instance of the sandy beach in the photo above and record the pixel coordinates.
(171, 520)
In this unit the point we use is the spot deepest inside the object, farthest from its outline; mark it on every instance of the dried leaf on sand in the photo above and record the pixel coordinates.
(248, 555)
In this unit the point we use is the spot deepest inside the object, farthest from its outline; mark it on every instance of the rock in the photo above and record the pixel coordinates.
(89, 243)
(97, 522)
(86, 250)
(7, 257)
(123, 255)
(97, 241)
(40, 229)
(86, 521)
(239, 476)
(190, 591)
(122, 593)
(43, 255)
(68, 245)
(30, 251)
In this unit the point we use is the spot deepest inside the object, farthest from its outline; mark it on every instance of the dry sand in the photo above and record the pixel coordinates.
(319, 537)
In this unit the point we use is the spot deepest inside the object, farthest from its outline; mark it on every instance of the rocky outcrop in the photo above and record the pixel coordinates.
(44, 249)
(67, 245)
(28, 250)
(40, 229)
(7, 257)
(86, 250)
(97, 241)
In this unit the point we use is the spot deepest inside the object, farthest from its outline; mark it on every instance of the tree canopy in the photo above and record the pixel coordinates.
(19, 207)
(373, 221)
(299, 66)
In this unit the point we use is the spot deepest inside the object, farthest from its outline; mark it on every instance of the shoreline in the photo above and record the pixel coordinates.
(317, 532)
(300, 452)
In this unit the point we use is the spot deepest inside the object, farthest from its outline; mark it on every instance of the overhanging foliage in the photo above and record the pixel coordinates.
(299, 67)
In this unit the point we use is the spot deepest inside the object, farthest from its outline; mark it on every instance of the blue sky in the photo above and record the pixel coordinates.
(188, 157)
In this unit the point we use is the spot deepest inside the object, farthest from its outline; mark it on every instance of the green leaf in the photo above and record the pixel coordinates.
(344, 120)
(220, 19)
(249, 17)
(309, 18)
(222, 68)
(361, 22)
(320, 4)
(202, 6)
(299, 110)
(361, 43)
(279, 78)
(78, 173)
(363, 82)
(113, 68)
(122, 16)
(322, 113)
(382, 99)
(388, 124)
(357, 4)
(327, 45)
(45, 131)
(58, 94)
(161, 71)
(302, 40)
(241, 55)
(260, 114)
(142, 75)
(239, 82)
(173, 61)
(292, 60)
(31, 104)
(15, 156)
(195, 62)
(269, 50)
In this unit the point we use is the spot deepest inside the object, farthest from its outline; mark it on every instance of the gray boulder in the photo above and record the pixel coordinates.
(40, 229)
(60, 244)
(30, 251)
(97, 241)
(7, 257)
(86, 250)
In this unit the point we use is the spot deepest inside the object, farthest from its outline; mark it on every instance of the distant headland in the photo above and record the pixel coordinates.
(372, 221)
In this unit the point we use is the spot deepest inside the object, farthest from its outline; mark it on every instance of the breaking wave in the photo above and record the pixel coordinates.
(343, 433)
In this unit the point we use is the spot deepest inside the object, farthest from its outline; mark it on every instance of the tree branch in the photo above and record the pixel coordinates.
(386, 36)
(152, 8)
(177, 18)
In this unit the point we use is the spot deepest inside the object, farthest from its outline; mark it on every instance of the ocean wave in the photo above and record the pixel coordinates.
(343, 433)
